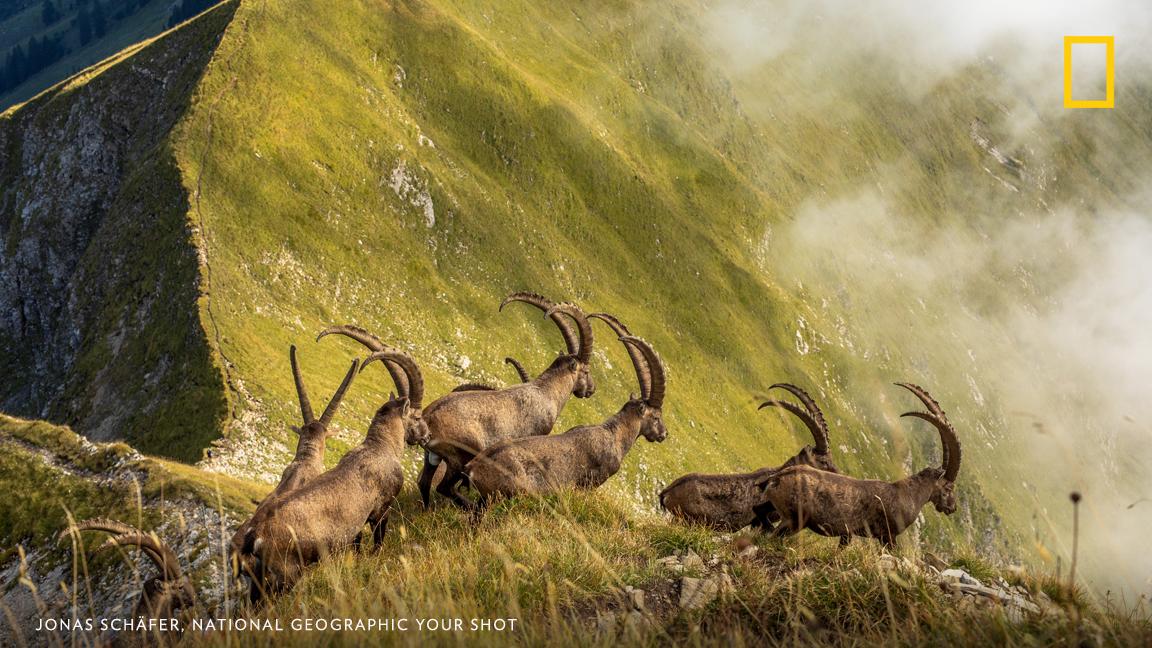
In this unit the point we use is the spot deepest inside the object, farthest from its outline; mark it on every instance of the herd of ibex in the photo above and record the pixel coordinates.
(498, 441)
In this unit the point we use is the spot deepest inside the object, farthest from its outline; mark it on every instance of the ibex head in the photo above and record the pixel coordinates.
(650, 375)
(408, 406)
(317, 428)
(578, 343)
(944, 497)
(169, 590)
(944, 477)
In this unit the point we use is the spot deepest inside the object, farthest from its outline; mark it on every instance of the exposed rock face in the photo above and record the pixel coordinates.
(31, 583)
(99, 322)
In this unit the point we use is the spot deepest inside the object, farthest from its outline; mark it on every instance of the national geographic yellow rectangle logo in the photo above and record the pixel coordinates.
(1109, 101)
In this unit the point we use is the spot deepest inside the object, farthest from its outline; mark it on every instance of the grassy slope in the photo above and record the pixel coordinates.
(558, 565)
(89, 480)
(551, 170)
(591, 154)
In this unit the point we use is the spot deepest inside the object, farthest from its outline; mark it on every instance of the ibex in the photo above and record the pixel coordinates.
(308, 462)
(329, 512)
(464, 423)
(840, 506)
(583, 457)
(733, 501)
(163, 594)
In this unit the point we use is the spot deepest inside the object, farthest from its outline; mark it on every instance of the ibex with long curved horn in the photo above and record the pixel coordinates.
(329, 512)
(840, 506)
(164, 594)
(733, 501)
(464, 423)
(584, 456)
(308, 462)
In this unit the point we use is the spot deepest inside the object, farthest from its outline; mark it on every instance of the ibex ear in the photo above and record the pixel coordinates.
(295, 428)
(391, 396)
(405, 406)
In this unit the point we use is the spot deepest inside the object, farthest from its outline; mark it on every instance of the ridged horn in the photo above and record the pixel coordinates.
(520, 371)
(655, 397)
(301, 391)
(334, 404)
(639, 363)
(415, 394)
(584, 353)
(473, 387)
(935, 416)
(125, 534)
(372, 343)
(815, 419)
(157, 551)
(543, 303)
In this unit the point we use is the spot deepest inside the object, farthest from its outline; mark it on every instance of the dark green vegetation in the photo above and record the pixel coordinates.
(45, 41)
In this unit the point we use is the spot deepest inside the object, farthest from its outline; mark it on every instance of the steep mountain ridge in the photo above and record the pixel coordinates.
(404, 165)
(100, 279)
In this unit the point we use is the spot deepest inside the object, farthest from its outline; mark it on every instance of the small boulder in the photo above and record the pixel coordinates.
(693, 562)
(958, 576)
(696, 593)
(635, 597)
(606, 623)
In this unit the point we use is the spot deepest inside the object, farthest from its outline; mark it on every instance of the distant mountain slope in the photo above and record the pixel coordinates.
(403, 166)
(58, 38)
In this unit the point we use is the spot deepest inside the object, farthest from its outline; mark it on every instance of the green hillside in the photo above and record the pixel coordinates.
(403, 166)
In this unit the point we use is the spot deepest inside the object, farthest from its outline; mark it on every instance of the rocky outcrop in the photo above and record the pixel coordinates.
(99, 320)
(40, 580)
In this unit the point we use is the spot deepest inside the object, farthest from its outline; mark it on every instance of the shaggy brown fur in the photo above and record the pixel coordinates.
(583, 457)
(837, 505)
(329, 512)
(474, 417)
(308, 461)
(464, 424)
(164, 594)
(733, 501)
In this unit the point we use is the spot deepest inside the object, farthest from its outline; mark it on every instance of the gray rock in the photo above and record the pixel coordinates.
(693, 562)
(696, 593)
(671, 564)
(959, 576)
(635, 622)
(635, 597)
